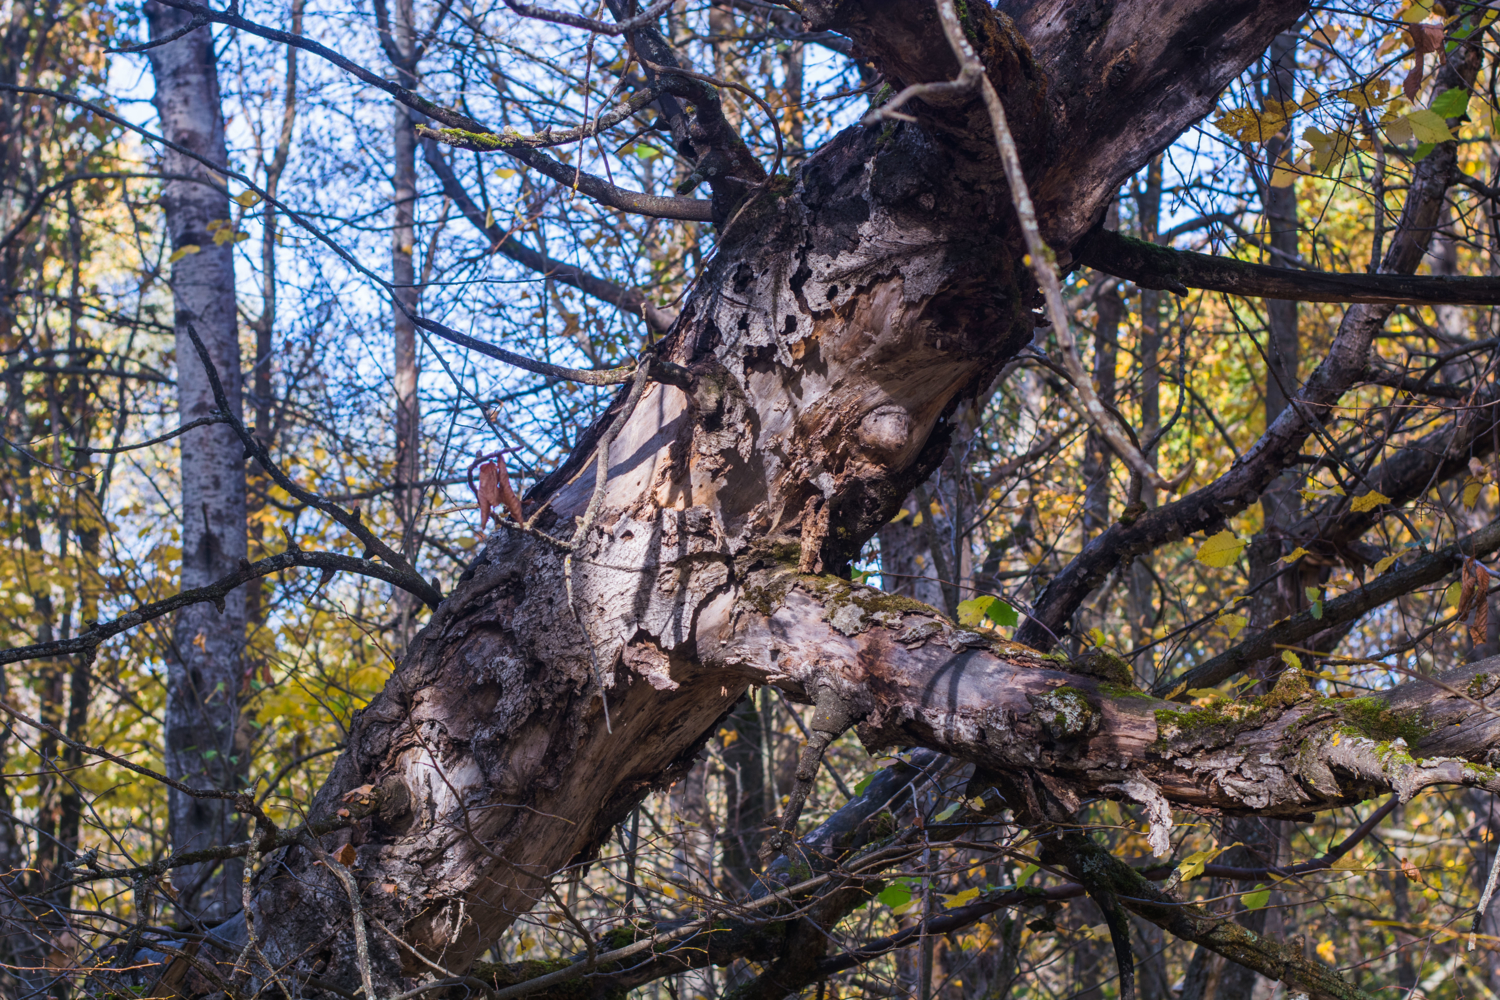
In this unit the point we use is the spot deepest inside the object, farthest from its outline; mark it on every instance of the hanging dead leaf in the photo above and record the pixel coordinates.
(1475, 596)
(1425, 38)
(345, 855)
(1410, 870)
(508, 495)
(494, 490)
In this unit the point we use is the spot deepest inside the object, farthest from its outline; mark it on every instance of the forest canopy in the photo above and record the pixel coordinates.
(743, 499)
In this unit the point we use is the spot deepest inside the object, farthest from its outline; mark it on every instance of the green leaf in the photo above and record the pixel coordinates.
(978, 609)
(895, 895)
(1420, 153)
(1317, 610)
(1002, 613)
(1451, 103)
(946, 814)
(864, 783)
(1026, 873)
(1257, 897)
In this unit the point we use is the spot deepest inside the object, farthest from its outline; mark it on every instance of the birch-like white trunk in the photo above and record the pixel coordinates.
(205, 661)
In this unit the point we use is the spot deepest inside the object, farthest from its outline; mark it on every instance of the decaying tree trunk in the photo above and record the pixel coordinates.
(805, 390)
(844, 317)
(205, 662)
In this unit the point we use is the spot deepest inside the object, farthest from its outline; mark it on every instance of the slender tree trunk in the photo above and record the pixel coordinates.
(1143, 595)
(265, 327)
(1098, 457)
(1263, 840)
(205, 661)
(404, 368)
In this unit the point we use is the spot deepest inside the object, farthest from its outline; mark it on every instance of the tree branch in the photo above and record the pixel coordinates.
(1159, 267)
(630, 301)
(1291, 631)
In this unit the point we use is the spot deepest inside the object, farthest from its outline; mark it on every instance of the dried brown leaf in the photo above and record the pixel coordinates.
(345, 855)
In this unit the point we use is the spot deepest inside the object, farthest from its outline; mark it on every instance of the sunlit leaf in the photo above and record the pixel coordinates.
(1221, 550)
(1257, 897)
(1428, 126)
(1294, 555)
(247, 199)
(960, 898)
(1233, 623)
(186, 250)
(1368, 501)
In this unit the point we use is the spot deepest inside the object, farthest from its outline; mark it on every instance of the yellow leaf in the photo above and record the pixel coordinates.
(1221, 550)
(223, 236)
(1291, 659)
(247, 199)
(1252, 125)
(1325, 952)
(1471, 492)
(187, 249)
(1386, 563)
(1192, 865)
(1371, 95)
(1347, 864)
(526, 943)
(1294, 555)
(1283, 176)
(1337, 739)
(1369, 501)
(505, 173)
(241, 237)
(960, 898)
(1419, 11)
(489, 218)
(902, 513)
(1452, 594)
(217, 224)
(1428, 126)
(1233, 624)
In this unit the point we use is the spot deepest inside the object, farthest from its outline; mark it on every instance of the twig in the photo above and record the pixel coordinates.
(1043, 260)
(255, 448)
(361, 941)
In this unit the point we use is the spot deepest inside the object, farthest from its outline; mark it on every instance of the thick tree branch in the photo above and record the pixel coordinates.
(1153, 266)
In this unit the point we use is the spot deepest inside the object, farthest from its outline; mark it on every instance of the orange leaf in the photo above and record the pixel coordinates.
(1410, 870)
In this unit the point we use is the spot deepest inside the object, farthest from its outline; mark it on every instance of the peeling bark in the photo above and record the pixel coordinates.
(845, 318)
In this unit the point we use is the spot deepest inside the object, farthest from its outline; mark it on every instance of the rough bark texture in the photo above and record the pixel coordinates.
(846, 316)
(204, 668)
